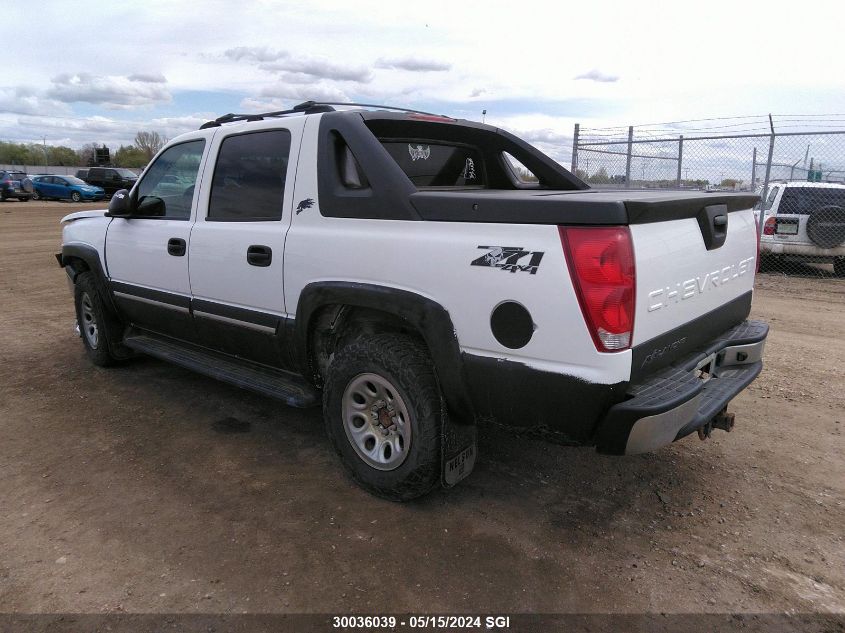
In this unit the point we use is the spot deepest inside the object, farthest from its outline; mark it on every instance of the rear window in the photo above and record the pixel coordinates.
(438, 164)
(805, 200)
(16, 175)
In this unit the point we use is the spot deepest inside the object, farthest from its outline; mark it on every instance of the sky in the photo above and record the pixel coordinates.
(98, 72)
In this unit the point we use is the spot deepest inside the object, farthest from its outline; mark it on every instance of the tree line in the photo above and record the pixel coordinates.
(138, 154)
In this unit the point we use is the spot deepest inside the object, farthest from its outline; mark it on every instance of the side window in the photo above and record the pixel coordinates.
(771, 199)
(167, 187)
(249, 177)
(520, 172)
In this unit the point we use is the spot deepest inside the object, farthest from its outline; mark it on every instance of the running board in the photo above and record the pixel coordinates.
(288, 387)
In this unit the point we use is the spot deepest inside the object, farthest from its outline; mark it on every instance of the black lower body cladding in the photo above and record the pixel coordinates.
(556, 407)
(624, 417)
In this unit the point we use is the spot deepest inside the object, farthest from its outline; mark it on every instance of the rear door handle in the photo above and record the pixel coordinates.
(257, 255)
(176, 247)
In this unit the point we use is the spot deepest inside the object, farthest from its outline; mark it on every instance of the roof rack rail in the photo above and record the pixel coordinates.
(306, 107)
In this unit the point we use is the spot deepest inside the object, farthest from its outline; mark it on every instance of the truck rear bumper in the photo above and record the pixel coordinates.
(685, 396)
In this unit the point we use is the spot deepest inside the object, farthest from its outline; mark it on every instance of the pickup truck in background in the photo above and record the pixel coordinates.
(400, 269)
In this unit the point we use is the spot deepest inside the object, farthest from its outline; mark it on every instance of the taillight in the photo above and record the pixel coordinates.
(770, 226)
(601, 265)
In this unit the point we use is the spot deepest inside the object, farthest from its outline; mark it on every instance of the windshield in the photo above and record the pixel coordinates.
(805, 200)
(127, 173)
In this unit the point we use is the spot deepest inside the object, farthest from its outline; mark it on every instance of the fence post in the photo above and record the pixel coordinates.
(628, 160)
(765, 192)
(680, 159)
(575, 135)
(754, 169)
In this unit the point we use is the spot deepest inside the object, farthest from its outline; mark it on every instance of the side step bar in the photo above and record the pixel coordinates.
(288, 387)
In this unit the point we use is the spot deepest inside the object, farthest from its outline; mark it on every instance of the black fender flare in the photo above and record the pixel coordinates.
(426, 316)
(91, 257)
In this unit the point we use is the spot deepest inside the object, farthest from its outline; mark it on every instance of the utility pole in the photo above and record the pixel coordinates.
(44, 142)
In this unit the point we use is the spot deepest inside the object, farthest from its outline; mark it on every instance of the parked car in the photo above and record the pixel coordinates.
(805, 221)
(395, 269)
(15, 184)
(64, 188)
(111, 179)
(82, 174)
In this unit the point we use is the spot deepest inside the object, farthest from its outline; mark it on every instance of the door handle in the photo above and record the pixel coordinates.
(176, 247)
(257, 255)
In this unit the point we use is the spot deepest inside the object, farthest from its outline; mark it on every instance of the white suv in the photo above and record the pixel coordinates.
(805, 221)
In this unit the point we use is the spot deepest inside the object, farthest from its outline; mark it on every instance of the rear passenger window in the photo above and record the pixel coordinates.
(438, 164)
(249, 178)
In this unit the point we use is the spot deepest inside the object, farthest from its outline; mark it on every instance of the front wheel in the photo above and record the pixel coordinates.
(97, 327)
(76, 196)
(383, 414)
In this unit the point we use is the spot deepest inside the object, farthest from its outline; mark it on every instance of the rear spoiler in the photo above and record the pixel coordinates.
(593, 207)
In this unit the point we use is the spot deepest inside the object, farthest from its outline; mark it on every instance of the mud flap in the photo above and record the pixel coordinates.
(458, 451)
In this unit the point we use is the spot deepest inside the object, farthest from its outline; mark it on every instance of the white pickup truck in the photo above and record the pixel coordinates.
(400, 268)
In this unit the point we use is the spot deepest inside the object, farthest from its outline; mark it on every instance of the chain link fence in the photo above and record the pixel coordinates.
(795, 164)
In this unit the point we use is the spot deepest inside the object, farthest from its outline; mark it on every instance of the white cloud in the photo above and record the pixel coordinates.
(597, 75)
(24, 100)
(111, 91)
(299, 92)
(254, 54)
(319, 68)
(150, 78)
(412, 64)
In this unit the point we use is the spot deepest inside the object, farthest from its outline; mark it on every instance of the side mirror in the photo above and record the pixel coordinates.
(120, 206)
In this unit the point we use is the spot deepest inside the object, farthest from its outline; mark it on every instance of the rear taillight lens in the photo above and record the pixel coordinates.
(770, 226)
(601, 265)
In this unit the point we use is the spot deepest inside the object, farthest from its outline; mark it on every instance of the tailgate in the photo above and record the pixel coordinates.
(694, 275)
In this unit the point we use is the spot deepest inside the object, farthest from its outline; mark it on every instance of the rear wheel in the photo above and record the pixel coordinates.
(36, 196)
(76, 196)
(382, 411)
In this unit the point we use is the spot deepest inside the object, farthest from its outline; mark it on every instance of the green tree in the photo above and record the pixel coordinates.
(130, 156)
(600, 177)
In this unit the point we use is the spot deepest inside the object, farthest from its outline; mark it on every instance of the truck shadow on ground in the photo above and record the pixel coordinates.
(258, 439)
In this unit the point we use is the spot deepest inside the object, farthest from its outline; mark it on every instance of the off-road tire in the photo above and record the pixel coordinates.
(108, 348)
(405, 364)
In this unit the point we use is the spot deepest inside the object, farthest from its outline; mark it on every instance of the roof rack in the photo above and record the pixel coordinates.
(306, 107)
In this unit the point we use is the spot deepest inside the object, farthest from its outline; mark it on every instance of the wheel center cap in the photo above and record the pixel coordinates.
(384, 419)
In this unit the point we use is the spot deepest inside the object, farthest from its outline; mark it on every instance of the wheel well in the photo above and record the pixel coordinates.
(337, 325)
(77, 266)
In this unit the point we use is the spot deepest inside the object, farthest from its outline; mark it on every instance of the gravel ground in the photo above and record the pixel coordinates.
(146, 488)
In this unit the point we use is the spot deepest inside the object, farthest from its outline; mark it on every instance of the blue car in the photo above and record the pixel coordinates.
(64, 187)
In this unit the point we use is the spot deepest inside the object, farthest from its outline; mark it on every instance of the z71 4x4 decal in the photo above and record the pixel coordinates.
(508, 258)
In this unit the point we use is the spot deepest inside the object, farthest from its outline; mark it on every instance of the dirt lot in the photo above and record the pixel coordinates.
(146, 488)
